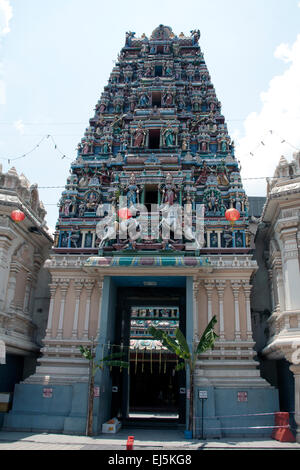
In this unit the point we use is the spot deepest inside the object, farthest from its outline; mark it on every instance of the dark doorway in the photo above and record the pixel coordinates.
(158, 71)
(149, 390)
(156, 99)
(151, 197)
(154, 139)
(154, 389)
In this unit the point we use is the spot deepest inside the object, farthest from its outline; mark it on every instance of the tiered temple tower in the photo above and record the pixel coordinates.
(158, 145)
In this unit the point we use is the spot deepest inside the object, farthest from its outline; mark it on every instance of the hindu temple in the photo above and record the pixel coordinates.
(142, 239)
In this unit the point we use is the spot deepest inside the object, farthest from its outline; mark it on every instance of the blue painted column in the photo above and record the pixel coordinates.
(189, 331)
(106, 331)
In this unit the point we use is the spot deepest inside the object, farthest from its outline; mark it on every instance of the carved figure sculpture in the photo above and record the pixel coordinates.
(168, 135)
(139, 136)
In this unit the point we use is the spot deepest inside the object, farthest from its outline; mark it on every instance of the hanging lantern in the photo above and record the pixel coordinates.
(124, 213)
(232, 215)
(17, 216)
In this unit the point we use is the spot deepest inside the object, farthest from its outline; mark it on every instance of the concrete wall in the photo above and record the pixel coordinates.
(225, 416)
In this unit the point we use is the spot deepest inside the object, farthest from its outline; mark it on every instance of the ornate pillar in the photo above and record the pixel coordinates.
(28, 286)
(220, 288)
(235, 289)
(11, 287)
(247, 290)
(83, 239)
(64, 285)
(94, 240)
(52, 288)
(100, 289)
(5, 244)
(291, 267)
(208, 238)
(78, 285)
(272, 291)
(280, 290)
(296, 371)
(89, 285)
(219, 239)
(195, 308)
(209, 285)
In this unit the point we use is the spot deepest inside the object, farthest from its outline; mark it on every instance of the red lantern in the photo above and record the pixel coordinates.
(232, 215)
(124, 213)
(17, 215)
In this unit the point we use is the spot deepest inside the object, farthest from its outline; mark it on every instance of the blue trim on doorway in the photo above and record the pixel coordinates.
(149, 281)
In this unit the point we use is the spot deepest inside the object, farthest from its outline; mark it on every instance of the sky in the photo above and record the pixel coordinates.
(56, 57)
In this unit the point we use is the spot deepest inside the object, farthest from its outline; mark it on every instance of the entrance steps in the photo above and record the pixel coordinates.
(153, 423)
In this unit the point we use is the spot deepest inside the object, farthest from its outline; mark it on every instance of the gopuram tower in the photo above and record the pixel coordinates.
(142, 239)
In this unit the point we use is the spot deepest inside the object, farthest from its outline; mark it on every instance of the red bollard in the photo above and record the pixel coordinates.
(282, 432)
(130, 442)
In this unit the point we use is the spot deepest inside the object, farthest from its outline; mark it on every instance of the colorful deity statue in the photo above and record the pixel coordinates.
(196, 36)
(169, 191)
(222, 174)
(106, 147)
(139, 136)
(129, 36)
(168, 70)
(104, 175)
(169, 136)
(144, 99)
(168, 98)
(132, 191)
(204, 172)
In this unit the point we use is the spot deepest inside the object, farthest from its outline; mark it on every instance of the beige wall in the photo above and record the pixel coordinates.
(202, 306)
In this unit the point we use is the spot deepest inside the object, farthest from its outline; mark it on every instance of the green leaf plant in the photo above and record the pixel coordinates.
(188, 357)
(112, 360)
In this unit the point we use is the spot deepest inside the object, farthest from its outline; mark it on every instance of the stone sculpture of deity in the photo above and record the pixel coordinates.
(106, 148)
(169, 191)
(132, 191)
(144, 99)
(168, 98)
(169, 137)
(195, 36)
(139, 136)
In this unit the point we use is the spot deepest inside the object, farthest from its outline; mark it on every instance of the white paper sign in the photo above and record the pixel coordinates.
(2, 353)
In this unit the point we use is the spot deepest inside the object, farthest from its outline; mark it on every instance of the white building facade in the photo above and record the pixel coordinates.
(279, 230)
(24, 292)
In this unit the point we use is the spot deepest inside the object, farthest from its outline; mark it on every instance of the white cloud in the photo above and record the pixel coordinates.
(2, 92)
(6, 14)
(280, 113)
(19, 126)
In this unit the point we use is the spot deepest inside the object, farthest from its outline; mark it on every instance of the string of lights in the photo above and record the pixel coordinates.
(244, 179)
(36, 146)
(70, 123)
(272, 133)
(63, 155)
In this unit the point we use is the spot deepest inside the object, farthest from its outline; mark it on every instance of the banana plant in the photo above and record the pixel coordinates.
(112, 360)
(188, 357)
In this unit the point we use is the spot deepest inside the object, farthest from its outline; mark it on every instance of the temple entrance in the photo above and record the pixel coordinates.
(150, 389)
(154, 390)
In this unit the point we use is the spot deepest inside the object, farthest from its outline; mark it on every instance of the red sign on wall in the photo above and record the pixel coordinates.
(242, 396)
(47, 392)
